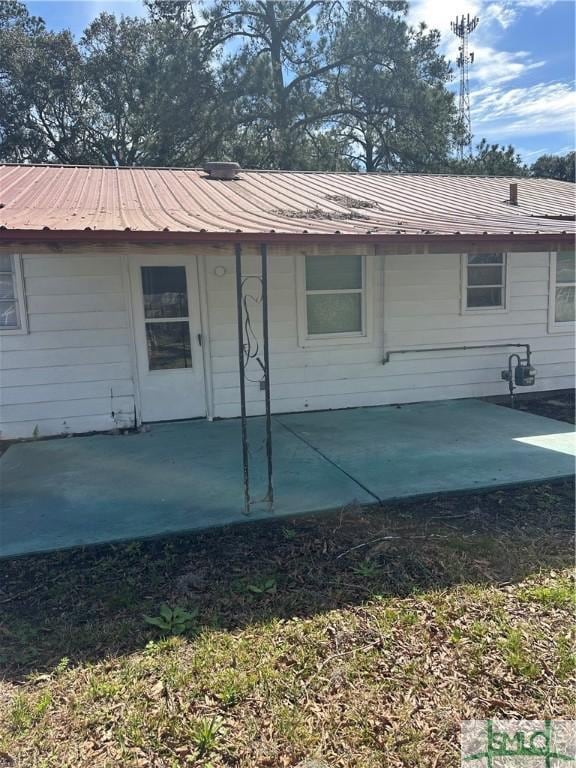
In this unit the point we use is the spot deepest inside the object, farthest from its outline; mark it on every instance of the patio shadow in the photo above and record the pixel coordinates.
(86, 604)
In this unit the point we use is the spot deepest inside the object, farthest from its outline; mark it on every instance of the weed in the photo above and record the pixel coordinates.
(163, 645)
(102, 689)
(205, 734)
(517, 656)
(230, 694)
(62, 666)
(173, 621)
(289, 533)
(24, 713)
(560, 595)
(261, 586)
(368, 569)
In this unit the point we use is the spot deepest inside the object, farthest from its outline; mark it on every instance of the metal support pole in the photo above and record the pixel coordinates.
(264, 267)
(241, 366)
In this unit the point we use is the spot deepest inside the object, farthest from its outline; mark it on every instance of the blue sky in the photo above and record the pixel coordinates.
(522, 81)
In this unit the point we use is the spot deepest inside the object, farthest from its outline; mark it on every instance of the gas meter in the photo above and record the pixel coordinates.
(521, 375)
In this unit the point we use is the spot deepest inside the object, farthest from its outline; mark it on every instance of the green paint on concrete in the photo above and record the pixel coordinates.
(180, 477)
(177, 477)
(453, 445)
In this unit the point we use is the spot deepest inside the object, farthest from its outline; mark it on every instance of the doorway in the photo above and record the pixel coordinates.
(168, 334)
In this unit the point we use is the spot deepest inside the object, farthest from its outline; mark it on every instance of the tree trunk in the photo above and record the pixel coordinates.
(281, 117)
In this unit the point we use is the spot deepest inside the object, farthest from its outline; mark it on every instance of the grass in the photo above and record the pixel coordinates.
(360, 638)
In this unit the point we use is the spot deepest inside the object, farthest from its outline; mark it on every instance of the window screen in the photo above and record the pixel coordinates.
(334, 295)
(165, 294)
(564, 288)
(485, 281)
(9, 309)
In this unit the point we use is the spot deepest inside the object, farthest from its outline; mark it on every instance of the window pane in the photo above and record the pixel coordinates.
(329, 273)
(9, 314)
(565, 305)
(168, 345)
(165, 292)
(7, 287)
(484, 275)
(334, 313)
(565, 267)
(5, 262)
(486, 258)
(484, 297)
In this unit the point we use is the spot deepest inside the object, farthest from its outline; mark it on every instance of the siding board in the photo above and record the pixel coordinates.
(113, 302)
(350, 387)
(67, 357)
(65, 374)
(94, 265)
(65, 391)
(59, 377)
(63, 286)
(363, 399)
(57, 340)
(415, 365)
(78, 321)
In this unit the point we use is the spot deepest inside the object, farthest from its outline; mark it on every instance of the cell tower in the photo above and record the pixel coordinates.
(463, 28)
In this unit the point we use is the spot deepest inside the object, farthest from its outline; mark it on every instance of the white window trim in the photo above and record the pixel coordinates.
(20, 297)
(331, 339)
(464, 309)
(553, 326)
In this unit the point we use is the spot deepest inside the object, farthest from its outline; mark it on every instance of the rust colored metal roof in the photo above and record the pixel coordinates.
(70, 199)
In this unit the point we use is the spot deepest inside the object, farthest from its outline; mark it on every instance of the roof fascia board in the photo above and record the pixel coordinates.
(162, 238)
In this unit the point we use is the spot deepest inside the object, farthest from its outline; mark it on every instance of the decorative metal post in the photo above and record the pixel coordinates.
(248, 349)
(242, 372)
(264, 267)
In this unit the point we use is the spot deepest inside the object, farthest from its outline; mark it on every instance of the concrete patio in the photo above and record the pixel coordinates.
(184, 476)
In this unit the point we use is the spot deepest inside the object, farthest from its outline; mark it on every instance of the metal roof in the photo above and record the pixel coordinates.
(70, 199)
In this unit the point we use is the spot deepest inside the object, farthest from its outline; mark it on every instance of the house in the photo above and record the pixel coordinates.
(120, 303)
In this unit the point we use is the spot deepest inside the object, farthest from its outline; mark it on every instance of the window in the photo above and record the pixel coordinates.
(12, 309)
(333, 293)
(484, 281)
(166, 317)
(562, 288)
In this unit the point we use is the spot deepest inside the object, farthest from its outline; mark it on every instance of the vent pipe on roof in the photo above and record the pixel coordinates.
(514, 194)
(222, 170)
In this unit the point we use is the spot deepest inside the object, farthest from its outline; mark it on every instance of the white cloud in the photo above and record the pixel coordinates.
(439, 13)
(491, 65)
(544, 108)
(505, 12)
(502, 13)
(495, 67)
(529, 155)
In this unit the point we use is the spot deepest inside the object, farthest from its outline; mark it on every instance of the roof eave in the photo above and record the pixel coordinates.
(92, 236)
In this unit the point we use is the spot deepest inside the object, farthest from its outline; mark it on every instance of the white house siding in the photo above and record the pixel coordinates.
(416, 303)
(73, 371)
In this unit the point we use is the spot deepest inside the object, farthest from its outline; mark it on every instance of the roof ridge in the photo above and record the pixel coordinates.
(281, 171)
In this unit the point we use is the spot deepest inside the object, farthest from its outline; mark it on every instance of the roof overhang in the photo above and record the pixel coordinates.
(24, 236)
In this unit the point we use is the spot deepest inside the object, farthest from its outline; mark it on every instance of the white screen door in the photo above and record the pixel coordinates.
(168, 337)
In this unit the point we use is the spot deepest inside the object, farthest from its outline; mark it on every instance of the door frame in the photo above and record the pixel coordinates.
(131, 292)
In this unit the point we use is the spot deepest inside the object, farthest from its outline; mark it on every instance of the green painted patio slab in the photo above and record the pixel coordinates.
(184, 476)
(439, 447)
(177, 477)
